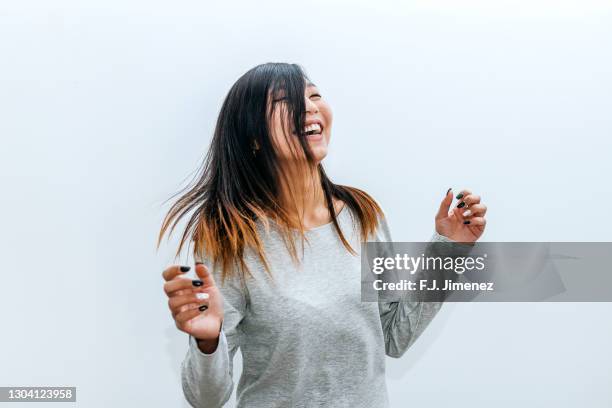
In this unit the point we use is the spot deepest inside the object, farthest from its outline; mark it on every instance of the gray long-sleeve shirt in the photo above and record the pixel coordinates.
(307, 339)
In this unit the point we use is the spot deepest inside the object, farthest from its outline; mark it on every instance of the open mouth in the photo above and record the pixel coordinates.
(314, 129)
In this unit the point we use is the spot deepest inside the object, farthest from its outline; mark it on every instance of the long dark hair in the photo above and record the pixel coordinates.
(239, 181)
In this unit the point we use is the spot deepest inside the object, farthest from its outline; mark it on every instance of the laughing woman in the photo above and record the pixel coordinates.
(276, 245)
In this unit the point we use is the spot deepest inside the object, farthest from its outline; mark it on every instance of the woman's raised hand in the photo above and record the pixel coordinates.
(196, 305)
(466, 221)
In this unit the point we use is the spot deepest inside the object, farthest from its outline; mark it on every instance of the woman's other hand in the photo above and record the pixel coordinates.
(466, 221)
(196, 305)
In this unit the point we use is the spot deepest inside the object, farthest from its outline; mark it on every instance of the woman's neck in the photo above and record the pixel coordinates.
(304, 199)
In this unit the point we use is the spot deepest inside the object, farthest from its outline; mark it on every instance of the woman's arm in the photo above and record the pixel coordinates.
(404, 320)
(207, 371)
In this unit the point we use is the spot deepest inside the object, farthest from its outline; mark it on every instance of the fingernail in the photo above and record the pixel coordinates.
(203, 308)
(459, 196)
(466, 222)
(197, 282)
(461, 204)
(185, 268)
(467, 213)
(202, 296)
(448, 191)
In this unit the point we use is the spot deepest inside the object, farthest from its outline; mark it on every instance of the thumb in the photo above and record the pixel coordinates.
(204, 274)
(445, 205)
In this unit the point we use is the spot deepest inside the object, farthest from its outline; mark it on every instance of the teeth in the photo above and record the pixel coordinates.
(315, 127)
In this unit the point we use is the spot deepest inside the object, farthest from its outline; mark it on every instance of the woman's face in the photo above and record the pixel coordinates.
(318, 120)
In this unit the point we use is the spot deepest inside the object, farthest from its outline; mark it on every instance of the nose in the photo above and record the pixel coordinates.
(311, 107)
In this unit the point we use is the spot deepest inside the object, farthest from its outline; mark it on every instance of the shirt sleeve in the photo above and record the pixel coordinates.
(207, 379)
(403, 321)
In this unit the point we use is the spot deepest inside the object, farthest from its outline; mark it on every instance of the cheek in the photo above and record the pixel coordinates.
(327, 115)
(328, 120)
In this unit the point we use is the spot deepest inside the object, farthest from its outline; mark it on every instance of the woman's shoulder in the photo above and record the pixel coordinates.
(367, 210)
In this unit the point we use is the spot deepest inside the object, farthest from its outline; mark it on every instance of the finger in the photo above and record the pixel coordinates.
(173, 271)
(204, 274)
(476, 221)
(184, 308)
(471, 199)
(175, 303)
(463, 193)
(445, 205)
(200, 307)
(460, 207)
(182, 285)
(457, 214)
(475, 210)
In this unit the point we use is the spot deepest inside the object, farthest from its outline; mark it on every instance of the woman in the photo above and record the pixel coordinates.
(277, 247)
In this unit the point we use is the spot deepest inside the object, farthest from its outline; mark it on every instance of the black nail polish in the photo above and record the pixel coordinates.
(466, 222)
(203, 308)
(448, 191)
(185, 268)
(197, 282)
(461, 204)
(459, 196)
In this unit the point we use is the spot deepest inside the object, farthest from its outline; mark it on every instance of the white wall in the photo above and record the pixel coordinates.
(107, 106)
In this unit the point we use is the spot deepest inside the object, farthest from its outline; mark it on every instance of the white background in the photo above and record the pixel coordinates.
(107, 107)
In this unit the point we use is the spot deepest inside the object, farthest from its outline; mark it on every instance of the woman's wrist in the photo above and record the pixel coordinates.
(208, 346)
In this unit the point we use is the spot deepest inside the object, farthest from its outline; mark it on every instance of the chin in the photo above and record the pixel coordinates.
(319, 153)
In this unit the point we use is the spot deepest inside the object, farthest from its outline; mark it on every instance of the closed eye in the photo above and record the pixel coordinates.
(315, 96)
